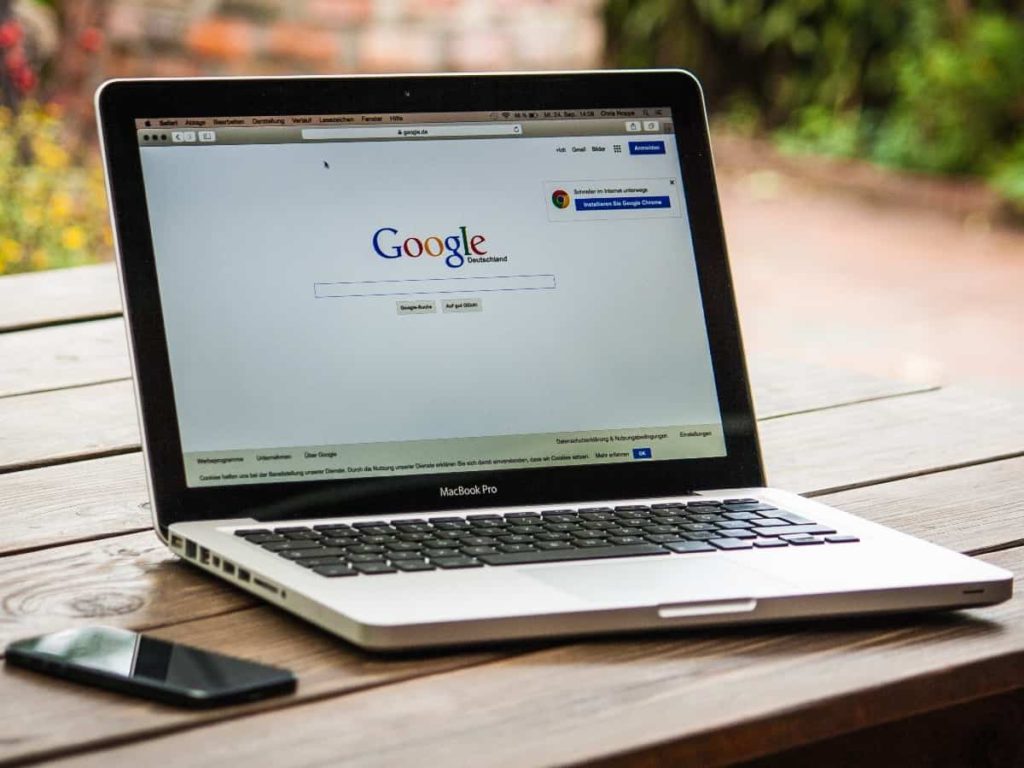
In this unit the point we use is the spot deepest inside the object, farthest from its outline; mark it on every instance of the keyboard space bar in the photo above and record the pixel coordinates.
(561, 555)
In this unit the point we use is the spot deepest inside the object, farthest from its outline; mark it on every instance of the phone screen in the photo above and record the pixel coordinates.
(130, 662)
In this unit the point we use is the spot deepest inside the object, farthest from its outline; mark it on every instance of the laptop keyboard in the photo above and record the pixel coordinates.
(520, 538)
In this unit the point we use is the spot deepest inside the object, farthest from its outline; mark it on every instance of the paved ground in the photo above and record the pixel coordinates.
(876, 285)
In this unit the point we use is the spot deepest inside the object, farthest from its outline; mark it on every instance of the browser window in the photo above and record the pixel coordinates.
(369, 295)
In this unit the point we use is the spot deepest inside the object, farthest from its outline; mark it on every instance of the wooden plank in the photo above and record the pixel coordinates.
(65, 425)
(324, 665)
(263, 632)
(130, 580)
(704, 698)
(63, 356)
(781, 387)
(869, 442)
(971, 509)
(58, 296)
(73, 502)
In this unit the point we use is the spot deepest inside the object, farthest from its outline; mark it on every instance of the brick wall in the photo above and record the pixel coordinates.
(193, 37)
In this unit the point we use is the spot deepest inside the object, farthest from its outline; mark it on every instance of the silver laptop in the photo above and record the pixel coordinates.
(433, 360)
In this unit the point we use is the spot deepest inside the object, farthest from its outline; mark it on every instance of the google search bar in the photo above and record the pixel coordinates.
(411, 131)
(433, 286)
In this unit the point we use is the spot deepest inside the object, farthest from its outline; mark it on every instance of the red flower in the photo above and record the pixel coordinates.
(24, 79)
(91, 39)
(10, 33)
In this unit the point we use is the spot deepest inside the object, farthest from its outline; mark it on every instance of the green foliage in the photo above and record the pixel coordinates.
(934, 85)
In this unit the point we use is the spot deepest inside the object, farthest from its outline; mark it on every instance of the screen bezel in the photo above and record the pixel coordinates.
(121, 102)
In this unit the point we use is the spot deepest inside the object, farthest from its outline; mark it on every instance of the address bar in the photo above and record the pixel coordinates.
(411, 131)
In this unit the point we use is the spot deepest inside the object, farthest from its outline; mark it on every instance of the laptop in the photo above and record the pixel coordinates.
(449, 359)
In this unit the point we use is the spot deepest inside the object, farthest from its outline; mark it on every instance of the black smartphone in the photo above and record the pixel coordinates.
(145, 666)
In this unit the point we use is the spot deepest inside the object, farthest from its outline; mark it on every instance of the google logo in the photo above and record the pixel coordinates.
(560, 198)
(457, 246)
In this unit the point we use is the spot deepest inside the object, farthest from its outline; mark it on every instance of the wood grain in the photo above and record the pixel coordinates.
(58, 296)
(782, 387)
(73, 502)
(68, 424)
(63, 356)
(267, 634)
(970, 509)
(702, 699)
(130, 580)
(870, 442)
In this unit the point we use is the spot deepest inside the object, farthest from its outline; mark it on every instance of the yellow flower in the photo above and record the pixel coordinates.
(38, 259)
(10, 250)
(60, 206)
(73, 238)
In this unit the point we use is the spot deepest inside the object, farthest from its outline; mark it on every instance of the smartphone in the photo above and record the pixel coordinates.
(128, 662)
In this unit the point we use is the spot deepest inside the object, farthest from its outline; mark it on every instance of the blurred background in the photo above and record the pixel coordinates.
(870, 152)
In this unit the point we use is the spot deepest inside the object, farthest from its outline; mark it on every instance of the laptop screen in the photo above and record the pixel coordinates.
(352, 296)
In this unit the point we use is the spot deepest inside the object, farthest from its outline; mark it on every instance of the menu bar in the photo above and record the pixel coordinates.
(255, 121)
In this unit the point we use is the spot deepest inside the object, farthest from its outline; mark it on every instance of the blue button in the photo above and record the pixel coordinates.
(641, 453)
(622, 203)
(647, 147)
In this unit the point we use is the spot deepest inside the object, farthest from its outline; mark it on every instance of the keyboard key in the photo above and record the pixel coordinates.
(265, 538)
(703, 503)
(556, 556)
(367, 557)
(462, 561)
(698, 527)
(517, 548)
(685, 547)
(744, 516)
(591, 543)
(435, 553)
(404, 546)
(516, 539)
(332, 527)
(804, 539)
(313, 562)
(373, 568)
(400, 555)
(362, 549)
(732, 543)
(333, 571)
(768, 543)
(700, 535)
(287, 546)
(294, 529)
(669, 505)
(765, 522)
(739, 534)
(735, 524)
(660, 538)
(301, 535)
(740, 501)
(633, 539)
(793, 519)
(413, 565)
(756, 506)
(473, 551)
(841, 539)
(788, 530)
(302, 554)
(554, 545)
(477, 541)
(252, 531)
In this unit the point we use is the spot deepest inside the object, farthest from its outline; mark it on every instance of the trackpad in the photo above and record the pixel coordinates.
(658, 580)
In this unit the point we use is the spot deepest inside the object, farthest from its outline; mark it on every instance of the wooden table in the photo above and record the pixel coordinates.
(76, 549)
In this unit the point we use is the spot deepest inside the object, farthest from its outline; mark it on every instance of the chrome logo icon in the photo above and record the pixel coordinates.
(560, 199)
